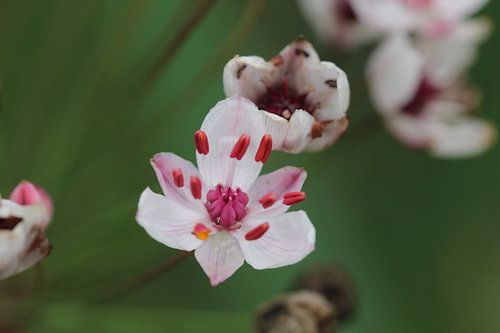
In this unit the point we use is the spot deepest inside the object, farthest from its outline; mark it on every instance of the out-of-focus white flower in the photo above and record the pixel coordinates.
(304, 100)
(432, 17)
(418, 86)
(337, 22)
(224, 211)
(23, 220)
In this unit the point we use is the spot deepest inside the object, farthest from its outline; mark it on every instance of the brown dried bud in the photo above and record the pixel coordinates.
(335, 284)
(297, 312)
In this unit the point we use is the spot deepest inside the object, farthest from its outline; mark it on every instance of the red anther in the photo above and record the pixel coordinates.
(292, 198)
(240, 147)
(257, 232)
(201, 142)
(268, 200)
(195, 183)
(178, 177)
(265, 147)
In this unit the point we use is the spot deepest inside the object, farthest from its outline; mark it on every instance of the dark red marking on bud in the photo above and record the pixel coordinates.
(178, 177)
(331, 83)
(240, 147)
(268, 200)
(201, 142)
(277, 60)
(301, 52)
(265, 148)
(257, 232)
(292, 198)
(195, 183)
(240, 71)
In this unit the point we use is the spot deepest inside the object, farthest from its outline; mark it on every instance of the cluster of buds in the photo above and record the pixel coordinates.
(322, 299)
(24, 217)
(223, 210)
(416, 76)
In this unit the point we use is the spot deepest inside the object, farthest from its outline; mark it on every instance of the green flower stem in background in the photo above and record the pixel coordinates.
(419, 235)
(133, 284)
(180, 37)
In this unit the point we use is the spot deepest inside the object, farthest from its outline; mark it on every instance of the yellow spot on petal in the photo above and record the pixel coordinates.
(201, 231)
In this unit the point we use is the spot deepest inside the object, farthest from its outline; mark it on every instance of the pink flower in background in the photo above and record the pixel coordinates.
(337, 22)
(304, 100)
(23, 220)
(431, 17)
(418, 87)
(224, 211)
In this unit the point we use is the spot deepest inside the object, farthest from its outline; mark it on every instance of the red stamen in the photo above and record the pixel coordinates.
(195, 183)
(268, 200)
(265, 147)
(293, 198)
(178, 177)
(240, 148)
(257, 232)
(201, 142)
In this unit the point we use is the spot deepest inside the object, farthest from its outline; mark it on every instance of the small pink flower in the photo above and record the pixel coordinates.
(304, 100)
(418, 87)
(223, 211)
(23, 220)
(337, 22)
(426, 16)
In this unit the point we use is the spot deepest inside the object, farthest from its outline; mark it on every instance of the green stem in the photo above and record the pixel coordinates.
(145, 278)
(180, 38)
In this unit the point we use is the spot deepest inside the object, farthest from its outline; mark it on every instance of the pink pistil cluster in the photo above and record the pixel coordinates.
(226, 206)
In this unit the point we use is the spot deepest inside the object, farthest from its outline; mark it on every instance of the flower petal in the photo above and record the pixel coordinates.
(397, 15)
(169, 222)
(448, 57)
(332, 132)
(249, 76)
(386, 15)
(289, 239)
(38, 250)
(224, 125)
(322, 81)
(219, 256)
(289, 135)
(395, 71)
(458, 9)
(461, 137)
(12, 245)
(326, 18)
(165, 166)
(331, 90)
(26, 193)
(411, 131)
(278, 183)
(15, 244)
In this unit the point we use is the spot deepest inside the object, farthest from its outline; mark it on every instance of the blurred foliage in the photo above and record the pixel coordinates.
(80, 116)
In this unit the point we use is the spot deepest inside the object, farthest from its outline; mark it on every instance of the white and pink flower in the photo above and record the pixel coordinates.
(418, 85)
(337, 22)
(23, 220)
(304, 100)
(430, 17)
(224, 211)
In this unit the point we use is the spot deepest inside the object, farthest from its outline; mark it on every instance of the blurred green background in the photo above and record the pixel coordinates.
(81, 116)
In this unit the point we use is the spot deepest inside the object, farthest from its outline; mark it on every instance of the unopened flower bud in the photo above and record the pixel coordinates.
(333, 283)
(27, 193)
(297, 312)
